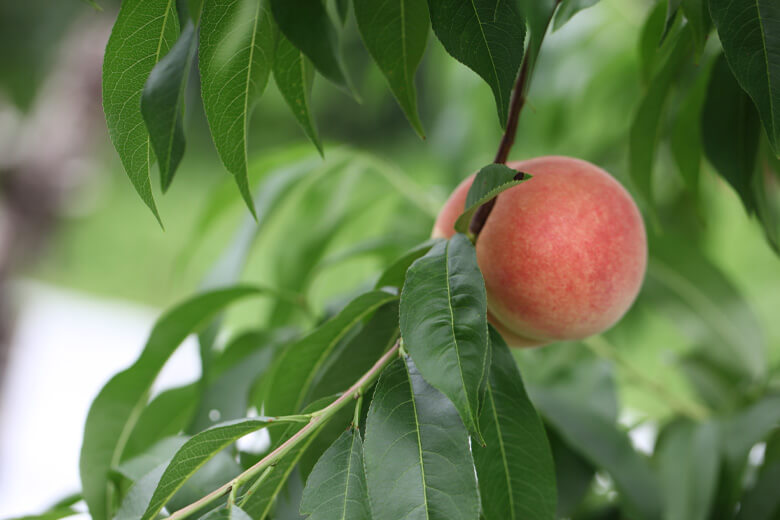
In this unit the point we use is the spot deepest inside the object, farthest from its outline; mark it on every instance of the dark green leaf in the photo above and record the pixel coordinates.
(195, 453)
(649, 41)
(294, 75)
(730, 131)
(646, 123)
(487, 36)
(298, 364)
(395, 34)
(395, 275)
(142, 35)
(235, 57)
(118, 406)
(515, 467)
(416, 451)
(672, 6)
(444, 324)
(538, 14)
(166, 415)
(699, 20)
(606, 447)
(488, 183)
(162, 104)
(766, 190)
(569, 8)
(336, 487)
(749, 33)
(307, 25)
(762, 502)
(688, 463)
(573, 475)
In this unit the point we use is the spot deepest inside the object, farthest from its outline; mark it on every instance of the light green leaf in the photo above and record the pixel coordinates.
(750, 35)
(294, 75)
(515, 467)
(395, 33)
(162, 103)
(395, 275)
(137, 499)
(444, 324)
(538, 14)
(298, 364)
(688, 464)
(161, 452)
(568, 9)
(195, 453)
(238, 40)
(120, 403)
(487, 36)
(307, 25)
(227, 513)
(336, 487)
(416, 451)
(488, 183)
(142, 35)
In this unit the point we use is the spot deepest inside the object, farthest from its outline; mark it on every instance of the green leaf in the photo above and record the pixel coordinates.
(295, 369)
(395, 275)
(416, 451)
(766, 191)
(730, 131)
(515, 467)
(488, 183)
(538, 14)
(162, 104)
(294, 75)
(672, 6)
(161, 452)
(195, 453)
(688, 463)
(336, 487)
(118, 406)
(235, 57)
(487, 36)
(258, 504)
(307, 25)
(227, 513)
(698, 17)
(568, 8)
(166, 415)
(395, 34)
(53, 514)
(762, 502)
(600, 441)
(707, 306)
(444, 324)
(137, 499)
(142, 35)
(650, 40)
(750, 35)
(573, 475)
(646, 124)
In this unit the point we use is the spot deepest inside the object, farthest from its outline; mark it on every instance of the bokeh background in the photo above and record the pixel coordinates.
(85, 268)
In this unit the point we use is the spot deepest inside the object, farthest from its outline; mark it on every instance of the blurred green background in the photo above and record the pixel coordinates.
(379, 186)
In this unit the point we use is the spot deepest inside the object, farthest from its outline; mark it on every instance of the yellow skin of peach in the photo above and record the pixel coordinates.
(563, 254)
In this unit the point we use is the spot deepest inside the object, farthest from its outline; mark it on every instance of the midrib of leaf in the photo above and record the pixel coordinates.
(490, 54)
(246, 86)
(681, 286)
(419, 439)
(452, 327)
(349, 473)
(499, 432)
(768, 72)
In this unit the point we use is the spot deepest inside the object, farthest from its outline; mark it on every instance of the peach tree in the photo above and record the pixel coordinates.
(401, 400)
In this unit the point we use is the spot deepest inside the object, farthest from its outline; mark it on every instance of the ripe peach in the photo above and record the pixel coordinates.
(563, 254)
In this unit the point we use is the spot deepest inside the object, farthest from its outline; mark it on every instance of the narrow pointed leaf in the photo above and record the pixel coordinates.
(487, 36)
(568, 9)
(750, 35)
(137, 498)
(336, 488)
(195, 453)
(162, 104)
(307, 25)
(416, 451)
(515, 467)
(143, 33)
(233, 512)
(236, 51)
(395, 33)
(698, 17)
(444, 324)
(297, 366)
(294, 75)
(489, 182)
(118, 406)
(395, 275)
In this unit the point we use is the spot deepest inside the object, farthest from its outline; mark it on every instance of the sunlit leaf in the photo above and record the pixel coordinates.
(444, 324)
(235, 57)
(416, 451)
(143, 33)
(395, 34)
(488, 37)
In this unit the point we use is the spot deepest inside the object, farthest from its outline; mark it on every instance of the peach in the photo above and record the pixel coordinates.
(563, 254)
